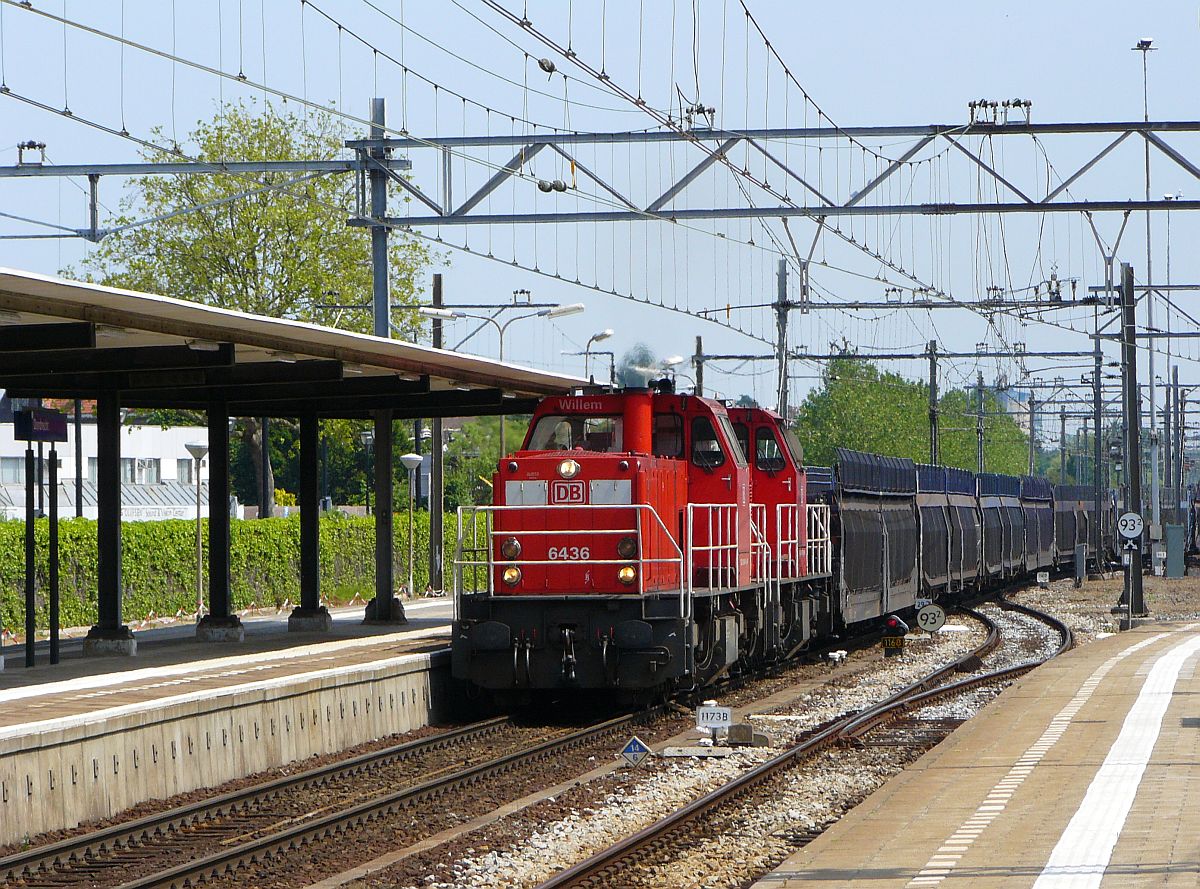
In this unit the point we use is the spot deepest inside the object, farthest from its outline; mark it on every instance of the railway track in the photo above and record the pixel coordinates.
(243, 826)
(890, 723)
(221, 835)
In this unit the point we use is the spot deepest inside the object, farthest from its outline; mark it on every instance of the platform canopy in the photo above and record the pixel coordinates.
(74, 339)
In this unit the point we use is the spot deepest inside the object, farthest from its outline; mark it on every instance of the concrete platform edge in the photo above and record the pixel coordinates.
(93, 766)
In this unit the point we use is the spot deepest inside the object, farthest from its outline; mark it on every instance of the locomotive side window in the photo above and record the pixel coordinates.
(667, 438)
(739, 453)
(767, 454)
(794, 447)
(742, 432)
(564, 433)
(706, 447)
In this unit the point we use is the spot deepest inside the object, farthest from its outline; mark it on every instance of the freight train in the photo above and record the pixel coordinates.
(647, 542)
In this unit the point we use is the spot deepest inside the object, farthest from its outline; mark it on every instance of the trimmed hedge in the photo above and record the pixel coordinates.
(159, 564)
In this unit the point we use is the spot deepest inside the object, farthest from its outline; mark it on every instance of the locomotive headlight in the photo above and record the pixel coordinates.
(627, 574)
(627, 547)
(511, 575)
(568, 469)
(511, 548)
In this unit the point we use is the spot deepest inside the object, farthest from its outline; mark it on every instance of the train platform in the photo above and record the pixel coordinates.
(1085, 773)
(91, 736)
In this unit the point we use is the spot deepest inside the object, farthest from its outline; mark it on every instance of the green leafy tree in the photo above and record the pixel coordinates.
(269, 243)
(472, 456)
(859, 406)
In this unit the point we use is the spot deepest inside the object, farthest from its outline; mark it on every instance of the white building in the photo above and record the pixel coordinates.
(157, 473)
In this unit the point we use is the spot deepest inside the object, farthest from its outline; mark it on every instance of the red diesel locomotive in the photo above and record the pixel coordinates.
(640, 540)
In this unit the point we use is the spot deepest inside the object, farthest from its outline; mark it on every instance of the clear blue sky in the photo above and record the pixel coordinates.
(865, 63)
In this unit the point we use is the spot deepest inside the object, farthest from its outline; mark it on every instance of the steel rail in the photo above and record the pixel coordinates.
(284, 841)
(599, 870)
(43, 859)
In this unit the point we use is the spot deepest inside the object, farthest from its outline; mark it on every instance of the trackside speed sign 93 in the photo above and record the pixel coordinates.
(1129, 526)
(931, 618)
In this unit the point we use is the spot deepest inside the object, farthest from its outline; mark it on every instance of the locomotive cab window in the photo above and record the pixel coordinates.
(667, 438)
(564, 433)
(739, 454)
(742, 432)
(706, 447)
(768, 456)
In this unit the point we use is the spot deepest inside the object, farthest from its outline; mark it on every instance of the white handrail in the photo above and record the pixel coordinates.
(489, 512)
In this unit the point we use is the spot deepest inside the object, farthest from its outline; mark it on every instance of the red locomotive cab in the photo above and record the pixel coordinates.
(591, 504)
(611, 493)
(778, 487)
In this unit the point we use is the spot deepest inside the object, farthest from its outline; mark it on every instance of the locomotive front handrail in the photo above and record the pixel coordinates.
(490, 534)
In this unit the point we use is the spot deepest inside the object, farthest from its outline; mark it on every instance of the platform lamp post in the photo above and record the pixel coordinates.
(412, 463)
(367, 436)
(198, 450)
(552, 312)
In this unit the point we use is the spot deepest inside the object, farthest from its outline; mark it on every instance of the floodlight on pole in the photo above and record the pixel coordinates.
(199, 451)
(562, 311)
(411, 462)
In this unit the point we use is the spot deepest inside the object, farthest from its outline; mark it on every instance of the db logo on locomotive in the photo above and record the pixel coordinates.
(568, 492)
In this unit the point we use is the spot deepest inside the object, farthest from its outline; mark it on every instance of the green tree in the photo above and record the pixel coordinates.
(859, 406)
(269, 243)
(472, 456)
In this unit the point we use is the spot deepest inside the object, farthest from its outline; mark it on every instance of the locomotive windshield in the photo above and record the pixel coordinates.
(556, 432)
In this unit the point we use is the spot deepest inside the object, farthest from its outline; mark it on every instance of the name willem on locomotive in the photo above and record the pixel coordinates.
(647, 540)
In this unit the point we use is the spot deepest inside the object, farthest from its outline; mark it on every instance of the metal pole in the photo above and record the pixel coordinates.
(199, 550)
(437, 478)
(781, 327)
(1155, 494)
(1032, 434)
(1177, 444)
(78, 459)
(1133, 443)
(1062, 445)
(41, 477)
(979, 422)
(934, 452)
(502, 418)
(418, 428)
(52, 555)
(324, 468)
(1098, 423)
(411, 549)
(1181, 426)
(264, 444)
(1168, 444)
(30, 555)
(699, 361)
(380, 305)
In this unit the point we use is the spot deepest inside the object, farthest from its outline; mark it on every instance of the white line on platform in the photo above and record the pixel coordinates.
(1086, 846)
(972, 828)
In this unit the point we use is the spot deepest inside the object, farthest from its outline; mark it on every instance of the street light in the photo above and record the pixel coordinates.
(411, 463)
(560, 311)
(367, 436)
(587, 350)
(1145, 46)
(198, 450)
